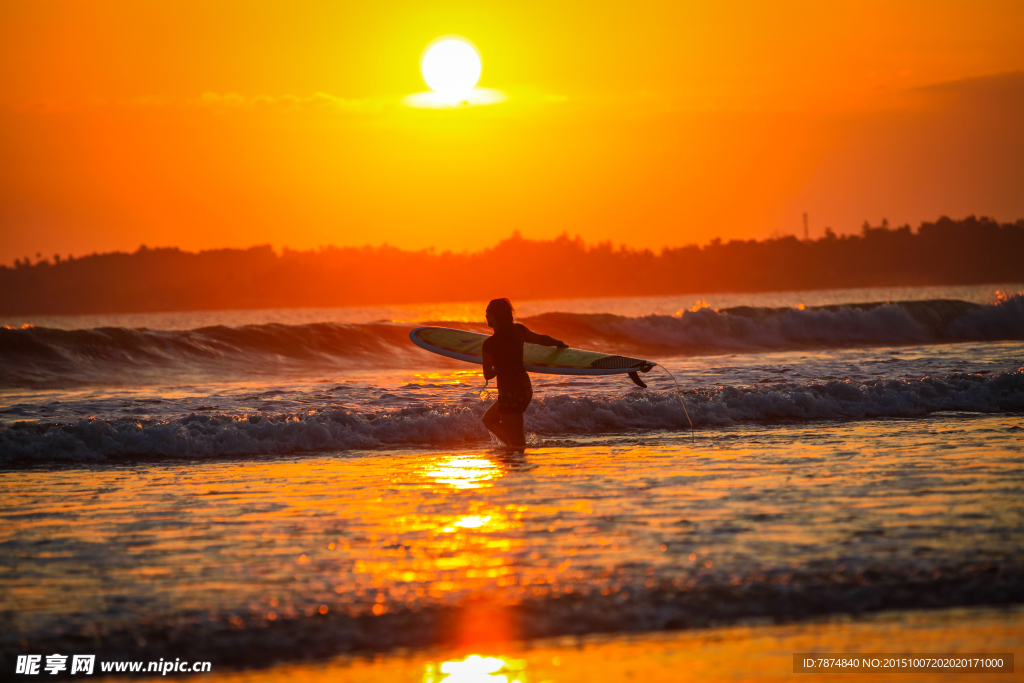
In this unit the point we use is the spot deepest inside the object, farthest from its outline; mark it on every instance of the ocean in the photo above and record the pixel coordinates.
(260, 488)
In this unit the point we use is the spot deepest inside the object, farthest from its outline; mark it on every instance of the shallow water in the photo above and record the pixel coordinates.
(628, 532)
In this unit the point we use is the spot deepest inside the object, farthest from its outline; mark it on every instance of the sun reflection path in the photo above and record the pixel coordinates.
(476, 669)
(456, 377)
(464, 471)
(472, 522)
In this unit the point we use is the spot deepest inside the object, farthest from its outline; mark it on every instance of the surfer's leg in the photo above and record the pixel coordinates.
(504, 419)
(513, 424)
(494, 421)
(513, 405)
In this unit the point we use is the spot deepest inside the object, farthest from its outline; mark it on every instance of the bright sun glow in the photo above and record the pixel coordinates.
(451, 66)
(477, 669)
(464, 472)
(472, 522)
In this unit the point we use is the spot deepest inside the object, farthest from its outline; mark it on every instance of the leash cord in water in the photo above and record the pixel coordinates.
(679, 395)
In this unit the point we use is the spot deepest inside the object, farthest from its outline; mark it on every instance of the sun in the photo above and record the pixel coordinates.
(451, 66)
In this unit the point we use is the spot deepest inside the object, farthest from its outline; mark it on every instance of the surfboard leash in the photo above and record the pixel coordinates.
(485, 391)
(679, 395)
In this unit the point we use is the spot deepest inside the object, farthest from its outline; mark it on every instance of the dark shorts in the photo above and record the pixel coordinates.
(515, 398)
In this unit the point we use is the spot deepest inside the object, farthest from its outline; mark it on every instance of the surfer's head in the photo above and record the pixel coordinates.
(500, 313)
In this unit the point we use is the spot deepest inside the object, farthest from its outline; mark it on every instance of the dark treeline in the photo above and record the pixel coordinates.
(946, 252)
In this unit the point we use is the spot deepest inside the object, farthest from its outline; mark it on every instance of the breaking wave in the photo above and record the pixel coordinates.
(743, 328)
(40, 357)
(199, 436)
(36, 357)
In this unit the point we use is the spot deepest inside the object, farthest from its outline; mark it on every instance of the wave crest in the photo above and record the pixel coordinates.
(208, 436)
(39, 357)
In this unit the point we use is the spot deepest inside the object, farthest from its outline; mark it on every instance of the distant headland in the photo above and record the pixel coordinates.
(945, 252)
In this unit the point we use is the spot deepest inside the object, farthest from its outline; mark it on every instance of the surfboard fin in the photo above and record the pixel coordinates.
(636, 380)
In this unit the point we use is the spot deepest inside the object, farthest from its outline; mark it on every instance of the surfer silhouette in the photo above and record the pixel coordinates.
(503, 358)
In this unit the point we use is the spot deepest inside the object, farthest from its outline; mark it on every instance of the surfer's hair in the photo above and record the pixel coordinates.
(502, 311)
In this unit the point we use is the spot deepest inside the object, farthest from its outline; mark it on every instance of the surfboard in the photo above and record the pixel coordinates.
(468, 346)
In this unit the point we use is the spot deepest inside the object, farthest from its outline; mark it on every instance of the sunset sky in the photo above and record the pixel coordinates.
(229, 124)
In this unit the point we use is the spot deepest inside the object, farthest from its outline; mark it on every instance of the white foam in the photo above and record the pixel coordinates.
(208, 436)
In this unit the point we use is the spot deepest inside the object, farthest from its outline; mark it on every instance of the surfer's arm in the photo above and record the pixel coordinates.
(489, 371)
(544, 340)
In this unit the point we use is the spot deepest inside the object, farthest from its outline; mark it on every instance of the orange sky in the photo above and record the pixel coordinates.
(213, 124)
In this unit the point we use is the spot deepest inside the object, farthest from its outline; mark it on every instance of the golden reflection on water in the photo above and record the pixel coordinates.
(470, 522)
(441, 553)
(476, 669)
(453, 377)
(374, 535)
(463, 471)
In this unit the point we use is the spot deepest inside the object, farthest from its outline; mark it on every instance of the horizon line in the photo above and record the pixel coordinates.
(279, 251)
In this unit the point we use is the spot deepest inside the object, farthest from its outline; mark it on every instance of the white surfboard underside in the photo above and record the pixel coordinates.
(547, 360)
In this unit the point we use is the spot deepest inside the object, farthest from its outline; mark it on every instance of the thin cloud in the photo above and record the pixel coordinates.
(318, 100)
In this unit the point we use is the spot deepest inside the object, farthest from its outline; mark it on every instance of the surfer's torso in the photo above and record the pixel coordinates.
(505, 346)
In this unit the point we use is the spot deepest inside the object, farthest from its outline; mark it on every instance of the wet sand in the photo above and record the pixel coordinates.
(736, 653)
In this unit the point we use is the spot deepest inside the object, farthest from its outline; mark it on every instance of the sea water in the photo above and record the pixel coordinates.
(260, 486)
